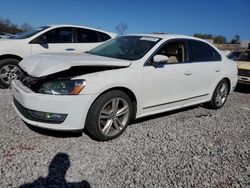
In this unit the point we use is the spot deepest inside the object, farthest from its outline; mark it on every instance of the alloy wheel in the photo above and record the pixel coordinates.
(8, 73)
(221, 94)
(114, 116)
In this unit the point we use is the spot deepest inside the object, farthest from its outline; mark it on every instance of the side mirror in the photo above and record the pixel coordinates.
(158, 59)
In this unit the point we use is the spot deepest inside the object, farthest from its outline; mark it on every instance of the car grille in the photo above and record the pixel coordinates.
(243, 72)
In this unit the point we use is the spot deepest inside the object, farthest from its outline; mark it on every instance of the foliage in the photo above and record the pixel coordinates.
(236, 40)
(8, 27)
(217, 39)
(26, 27)
(220, 39)
(203, 36)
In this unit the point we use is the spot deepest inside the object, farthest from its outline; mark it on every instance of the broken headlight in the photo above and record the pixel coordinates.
(62, 87)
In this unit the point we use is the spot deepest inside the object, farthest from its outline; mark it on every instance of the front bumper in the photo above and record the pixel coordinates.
(75, 107)
(244, 80)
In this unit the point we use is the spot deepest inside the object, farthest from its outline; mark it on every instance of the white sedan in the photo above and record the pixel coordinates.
(125, 78)
(46, 39)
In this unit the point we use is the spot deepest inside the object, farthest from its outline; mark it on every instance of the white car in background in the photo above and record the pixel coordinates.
(125, 78)
(4, 35)
(46, 39)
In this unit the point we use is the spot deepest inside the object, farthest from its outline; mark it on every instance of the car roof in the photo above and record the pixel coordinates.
(79, 26)
(168, 36)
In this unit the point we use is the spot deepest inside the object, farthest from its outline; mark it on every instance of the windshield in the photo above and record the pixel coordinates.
(30, 33)
(244, 56)
(125, 47)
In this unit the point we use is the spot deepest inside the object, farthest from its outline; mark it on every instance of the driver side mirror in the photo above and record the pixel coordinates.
(159, 59)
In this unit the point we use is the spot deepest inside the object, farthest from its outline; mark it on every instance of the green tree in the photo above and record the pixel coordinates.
(220, 39)
(203, 36)
(236, 40)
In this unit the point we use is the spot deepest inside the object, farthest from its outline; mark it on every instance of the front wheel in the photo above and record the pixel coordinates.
(220, 95)
(9, 70)
(109, 116)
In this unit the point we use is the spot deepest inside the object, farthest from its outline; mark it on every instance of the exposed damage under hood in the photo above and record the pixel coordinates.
(46, 64)
(41, 68)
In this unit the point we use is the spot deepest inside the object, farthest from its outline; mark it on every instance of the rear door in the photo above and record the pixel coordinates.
(205, 65)
(86, 39)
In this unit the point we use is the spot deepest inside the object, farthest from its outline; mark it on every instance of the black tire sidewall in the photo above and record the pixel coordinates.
(212, 102)
(91, 124)
(4, 62)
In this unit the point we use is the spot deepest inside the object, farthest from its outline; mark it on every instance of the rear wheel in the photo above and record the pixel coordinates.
(9, 70)
(220, 95)
(109, 116)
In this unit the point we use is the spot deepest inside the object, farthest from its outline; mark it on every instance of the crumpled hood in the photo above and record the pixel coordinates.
(45, 64)
(243, 65)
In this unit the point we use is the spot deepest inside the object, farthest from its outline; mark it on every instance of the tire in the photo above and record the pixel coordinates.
(220, 95)
(9, 70)
(109, 116)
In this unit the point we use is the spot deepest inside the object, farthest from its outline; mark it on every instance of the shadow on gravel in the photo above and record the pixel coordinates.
(151, 117)
(56, 177)
(242, 88)
(57, 134)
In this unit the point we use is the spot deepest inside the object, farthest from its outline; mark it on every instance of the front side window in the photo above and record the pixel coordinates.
(59, 35)
(244, 56)
(87, 36)
(202, 52)
(126, 47)
(175, 51)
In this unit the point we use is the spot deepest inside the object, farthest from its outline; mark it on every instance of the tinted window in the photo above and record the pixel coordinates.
(86, 35)
(245, 56)
(103, 36)
(233, 55)
(59, 35)
(201, 52)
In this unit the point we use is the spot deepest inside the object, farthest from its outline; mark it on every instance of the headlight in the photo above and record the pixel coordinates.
(63, 87)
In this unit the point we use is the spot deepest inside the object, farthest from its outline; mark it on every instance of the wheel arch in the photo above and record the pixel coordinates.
(228, 82)
(130, 94)
(6, 56)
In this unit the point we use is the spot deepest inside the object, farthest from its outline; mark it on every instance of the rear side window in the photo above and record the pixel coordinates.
(103, 36)
(202, 52)
(87, 36)
(59, 35)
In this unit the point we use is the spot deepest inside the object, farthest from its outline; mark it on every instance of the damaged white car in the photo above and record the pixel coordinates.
(125, 78)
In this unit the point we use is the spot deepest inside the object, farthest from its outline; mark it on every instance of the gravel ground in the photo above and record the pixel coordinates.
(194, 147)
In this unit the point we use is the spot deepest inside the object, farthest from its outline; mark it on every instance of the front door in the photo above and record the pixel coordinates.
(57, 40)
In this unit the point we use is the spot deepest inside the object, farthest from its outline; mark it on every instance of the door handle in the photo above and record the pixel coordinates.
(217, 70)
(188, 73)
(70, 49)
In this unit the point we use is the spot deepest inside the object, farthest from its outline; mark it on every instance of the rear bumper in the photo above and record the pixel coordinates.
(74, 107)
